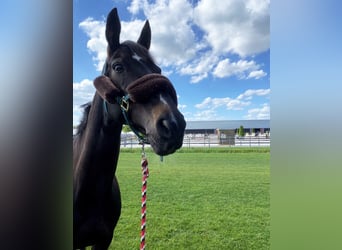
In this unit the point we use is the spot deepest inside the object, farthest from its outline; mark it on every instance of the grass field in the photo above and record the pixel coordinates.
(197, 200)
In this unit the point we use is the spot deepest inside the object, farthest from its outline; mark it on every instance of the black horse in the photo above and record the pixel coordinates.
(131, 91)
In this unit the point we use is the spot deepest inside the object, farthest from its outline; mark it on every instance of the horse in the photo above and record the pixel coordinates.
(131, 90)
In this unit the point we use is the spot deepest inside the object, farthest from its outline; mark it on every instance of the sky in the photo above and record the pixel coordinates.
(216, 53)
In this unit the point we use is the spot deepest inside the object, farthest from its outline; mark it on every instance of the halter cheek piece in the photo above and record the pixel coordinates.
(124, 106)
(123, 102)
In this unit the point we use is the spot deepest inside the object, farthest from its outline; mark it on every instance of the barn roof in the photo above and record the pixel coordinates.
(227, 124)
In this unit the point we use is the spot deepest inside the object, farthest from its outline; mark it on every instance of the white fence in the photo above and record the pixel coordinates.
(129, 140)
(212, 140)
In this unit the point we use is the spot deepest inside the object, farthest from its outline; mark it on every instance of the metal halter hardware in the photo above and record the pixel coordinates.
(124, 103)
(124, 106)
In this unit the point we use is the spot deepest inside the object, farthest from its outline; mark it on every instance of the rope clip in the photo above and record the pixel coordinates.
(143, 154)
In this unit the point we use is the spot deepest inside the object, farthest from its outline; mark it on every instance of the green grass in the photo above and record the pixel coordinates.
(197, 200)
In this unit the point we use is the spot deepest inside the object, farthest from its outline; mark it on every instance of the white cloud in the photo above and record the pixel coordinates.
(229, 103)
(83, 92)
(259, 113)
(135, 6)
(182, 106)
(242, 68)
(232, 26)
(210, 105)
(84, 84)
(256, 74)
(97, 44)
(237, 104)
(172, 36)
(204, 104)
(208, 115)
(236, 26)
(200, 67)
(248, 94)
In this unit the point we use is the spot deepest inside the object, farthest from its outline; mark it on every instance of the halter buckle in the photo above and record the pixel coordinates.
(125, 103)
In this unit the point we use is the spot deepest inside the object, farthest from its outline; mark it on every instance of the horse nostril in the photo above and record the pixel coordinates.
(166, 127)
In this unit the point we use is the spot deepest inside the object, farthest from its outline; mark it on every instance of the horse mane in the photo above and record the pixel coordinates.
(83, 124)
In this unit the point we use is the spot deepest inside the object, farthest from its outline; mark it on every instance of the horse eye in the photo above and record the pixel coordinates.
(118, 68)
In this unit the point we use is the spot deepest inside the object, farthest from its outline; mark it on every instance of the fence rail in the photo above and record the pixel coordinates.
(212, 140)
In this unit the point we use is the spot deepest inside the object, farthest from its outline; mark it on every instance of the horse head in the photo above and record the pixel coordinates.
(148, 99)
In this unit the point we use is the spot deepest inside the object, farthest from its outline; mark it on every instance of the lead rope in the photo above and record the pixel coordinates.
(144, 166)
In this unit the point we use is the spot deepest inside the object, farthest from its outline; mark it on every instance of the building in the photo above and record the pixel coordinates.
(227, 130)
(210, 127)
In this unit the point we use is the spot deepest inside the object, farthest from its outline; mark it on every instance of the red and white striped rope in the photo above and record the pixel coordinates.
(144, 165)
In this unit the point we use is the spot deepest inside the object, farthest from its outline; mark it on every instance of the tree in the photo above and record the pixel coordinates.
(126, 128)
(241, 131)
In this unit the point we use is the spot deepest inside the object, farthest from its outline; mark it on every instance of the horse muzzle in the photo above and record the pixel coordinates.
(168, 135)
(154, 107)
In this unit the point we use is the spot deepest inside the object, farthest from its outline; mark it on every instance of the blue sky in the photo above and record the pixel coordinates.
(216, 54)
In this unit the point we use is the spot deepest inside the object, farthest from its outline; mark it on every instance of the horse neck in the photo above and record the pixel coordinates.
(99, 145)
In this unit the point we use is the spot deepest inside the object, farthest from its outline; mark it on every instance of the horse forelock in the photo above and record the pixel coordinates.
(137, 49)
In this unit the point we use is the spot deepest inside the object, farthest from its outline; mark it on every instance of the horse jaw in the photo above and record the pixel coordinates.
(163, 125)
(163, 148)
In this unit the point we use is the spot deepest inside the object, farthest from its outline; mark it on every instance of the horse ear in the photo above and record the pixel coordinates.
(113, 29)
(106, 89)
(145, 36)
